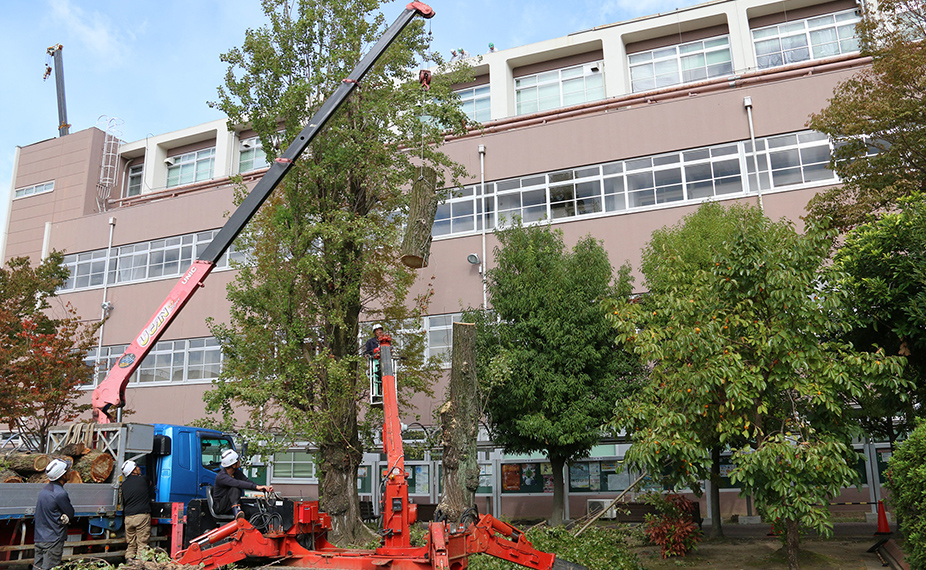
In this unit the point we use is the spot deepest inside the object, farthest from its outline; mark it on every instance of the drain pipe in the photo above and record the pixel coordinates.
(105, 306)
(747, 102)
(482, 191)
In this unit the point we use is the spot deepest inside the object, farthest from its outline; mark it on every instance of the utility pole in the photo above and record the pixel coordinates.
(55, 52)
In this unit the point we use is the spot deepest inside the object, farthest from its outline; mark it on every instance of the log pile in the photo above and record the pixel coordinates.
(88, 466)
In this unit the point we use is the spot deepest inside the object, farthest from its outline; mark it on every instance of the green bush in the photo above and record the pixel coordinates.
(597, 548)
(906, 479)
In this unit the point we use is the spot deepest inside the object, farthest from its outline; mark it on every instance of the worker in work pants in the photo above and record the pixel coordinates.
(137, 531)
(48, 554)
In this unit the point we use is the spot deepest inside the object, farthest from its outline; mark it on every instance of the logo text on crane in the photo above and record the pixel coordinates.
(146, 335)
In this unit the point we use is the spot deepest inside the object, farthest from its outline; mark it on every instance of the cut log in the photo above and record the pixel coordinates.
(37, 478)
(95, 467)
(27, 463)
(422, 208)
(74, 449)
(73, 477)
(10, 477)
(459, 418)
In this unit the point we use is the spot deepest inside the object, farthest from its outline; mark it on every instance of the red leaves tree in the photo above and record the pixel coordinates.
(42, 349)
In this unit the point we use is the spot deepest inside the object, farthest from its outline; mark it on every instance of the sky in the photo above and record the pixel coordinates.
(151, 66)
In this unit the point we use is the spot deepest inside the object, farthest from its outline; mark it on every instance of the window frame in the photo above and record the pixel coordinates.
(808, 28)
(679, 53)
(200, 162)
(136, 172)
(34, 190)
(560, 77)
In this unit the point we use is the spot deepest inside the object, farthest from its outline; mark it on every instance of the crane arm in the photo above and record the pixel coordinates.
(110, 393)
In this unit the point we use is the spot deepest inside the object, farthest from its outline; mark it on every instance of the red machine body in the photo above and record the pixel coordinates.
(305, 543)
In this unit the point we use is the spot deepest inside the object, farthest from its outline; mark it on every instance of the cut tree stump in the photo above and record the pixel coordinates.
(10, 477)
(73, 477)
(95, 467)
(422, 207)
(27, 463)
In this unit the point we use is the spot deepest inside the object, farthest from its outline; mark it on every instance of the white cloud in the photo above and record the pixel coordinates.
(94, 32)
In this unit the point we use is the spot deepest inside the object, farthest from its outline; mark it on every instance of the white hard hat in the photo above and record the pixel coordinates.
(229, 458)
(56, 469)
(128, 467)
(377, 326)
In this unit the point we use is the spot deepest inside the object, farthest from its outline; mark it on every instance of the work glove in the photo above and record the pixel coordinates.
(64, 519)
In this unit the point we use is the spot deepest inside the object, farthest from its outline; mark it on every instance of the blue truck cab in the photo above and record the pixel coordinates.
(186, 460)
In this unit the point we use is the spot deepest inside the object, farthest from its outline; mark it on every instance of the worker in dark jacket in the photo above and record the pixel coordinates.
(137, 494)
(53, 512)
(369, 349)
(230, 483)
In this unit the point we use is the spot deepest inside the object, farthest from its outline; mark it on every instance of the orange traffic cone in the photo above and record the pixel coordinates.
(883, 527)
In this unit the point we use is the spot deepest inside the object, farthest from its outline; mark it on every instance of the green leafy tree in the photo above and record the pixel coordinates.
(906, 479)
(878, 119)
(323, 248)
(669, 262)
(545, 354)
(883, 264)
(41, 355)
(744, 354)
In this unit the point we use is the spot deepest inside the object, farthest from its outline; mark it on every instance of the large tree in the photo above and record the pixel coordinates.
(877, 119)
(323, 249)
(883, 266)
(547, 362)
(42, 348)
(744, 354)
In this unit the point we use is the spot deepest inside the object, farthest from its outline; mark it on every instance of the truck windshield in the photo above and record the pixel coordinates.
(212, 448)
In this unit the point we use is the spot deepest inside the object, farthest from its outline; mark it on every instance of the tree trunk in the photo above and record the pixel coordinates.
(716, 522)
(10, 477)
(73, 477)
(37, 478)
(422, 207)
(459, 418)
(27, 463)
(792, 544)
(94, 467)
(74, 449)
(559, 486)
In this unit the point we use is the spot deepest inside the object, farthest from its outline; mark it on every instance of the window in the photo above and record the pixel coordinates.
(32, 190)
(167, 257)
(559, 88)
(211, 449)
(692, 175)
(803, 40)
(134, 181)
(252, 155)
(191, 167)
(172, 361)
(475, 103)
(293, 465)
(439, 330)
(683, 63)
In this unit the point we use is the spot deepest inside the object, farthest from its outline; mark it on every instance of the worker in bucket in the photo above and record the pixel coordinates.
(136, 507)
(53, 512)
(369, 349)
(230, 483)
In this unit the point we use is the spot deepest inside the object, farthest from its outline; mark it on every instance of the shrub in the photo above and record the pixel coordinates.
(906, 479)
(673, 528)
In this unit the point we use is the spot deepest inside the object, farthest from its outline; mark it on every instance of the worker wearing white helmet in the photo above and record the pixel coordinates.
(369, 349)
(230, 483)
(137, 494)
(53, 512)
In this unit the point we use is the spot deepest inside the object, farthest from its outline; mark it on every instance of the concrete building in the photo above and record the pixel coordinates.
(614, 131)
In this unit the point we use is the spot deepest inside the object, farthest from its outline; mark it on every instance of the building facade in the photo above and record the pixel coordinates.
(614, 131)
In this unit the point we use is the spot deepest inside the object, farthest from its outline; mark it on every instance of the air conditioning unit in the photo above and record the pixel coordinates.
(596, 505)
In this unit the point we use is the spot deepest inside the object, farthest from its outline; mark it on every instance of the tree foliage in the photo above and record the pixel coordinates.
(745, 353)
(906, 479)
(41, 355)
(878, 119)
(322, 250)
(546, 358)
(883, 264)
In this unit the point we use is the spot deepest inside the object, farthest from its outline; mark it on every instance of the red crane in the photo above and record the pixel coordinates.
(295, 533)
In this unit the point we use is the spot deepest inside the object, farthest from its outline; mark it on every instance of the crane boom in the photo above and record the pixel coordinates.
(110, 393)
